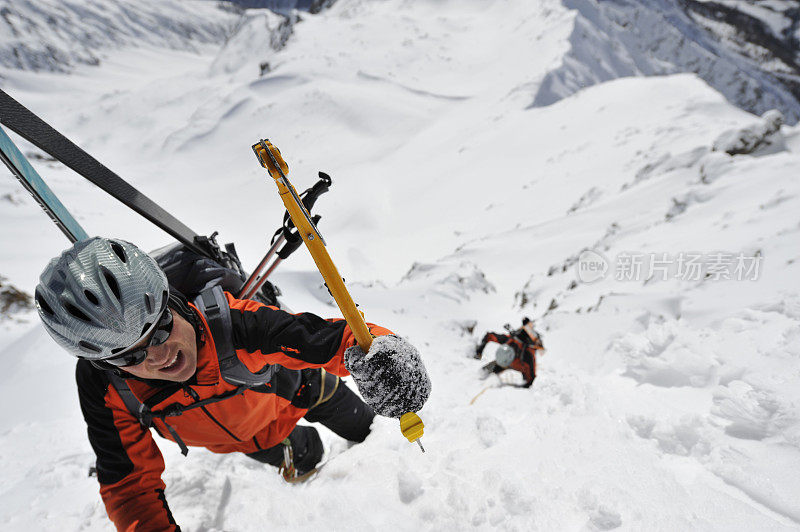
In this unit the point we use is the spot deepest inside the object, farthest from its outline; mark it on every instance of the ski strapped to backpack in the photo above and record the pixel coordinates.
(23, 122)
(214, 305)
(35, 185)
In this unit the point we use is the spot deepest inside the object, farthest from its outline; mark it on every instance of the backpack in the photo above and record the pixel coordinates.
(190, 273)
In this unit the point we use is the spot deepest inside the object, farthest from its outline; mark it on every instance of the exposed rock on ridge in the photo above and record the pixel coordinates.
(753, 64)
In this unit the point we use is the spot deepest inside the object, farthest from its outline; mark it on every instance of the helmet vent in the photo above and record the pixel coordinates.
(44, 306)
(76, 312)
(112, 283)
(91, 297)
(144, 329)
(149, 302)
(118, 251)
(89, 348)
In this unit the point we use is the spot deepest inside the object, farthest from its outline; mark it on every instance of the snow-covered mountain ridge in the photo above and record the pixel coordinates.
(667, 399)
(749, 51)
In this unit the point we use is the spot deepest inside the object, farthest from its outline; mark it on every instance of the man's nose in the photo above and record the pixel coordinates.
(158, 354)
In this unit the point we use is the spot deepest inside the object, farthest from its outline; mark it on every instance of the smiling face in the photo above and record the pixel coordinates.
(174, 360)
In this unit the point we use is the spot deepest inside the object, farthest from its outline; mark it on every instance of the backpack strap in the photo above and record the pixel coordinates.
(141, 412)
(136, 407)
(214, 305)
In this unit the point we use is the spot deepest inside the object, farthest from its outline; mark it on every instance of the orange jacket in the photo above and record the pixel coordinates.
(129, 464)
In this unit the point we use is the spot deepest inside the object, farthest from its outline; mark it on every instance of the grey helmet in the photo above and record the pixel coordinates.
(100, 297)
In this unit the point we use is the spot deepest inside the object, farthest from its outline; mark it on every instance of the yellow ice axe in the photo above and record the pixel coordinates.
(270, 158)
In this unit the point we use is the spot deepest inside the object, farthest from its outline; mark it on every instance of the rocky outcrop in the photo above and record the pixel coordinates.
(312, 6)
(13, 300)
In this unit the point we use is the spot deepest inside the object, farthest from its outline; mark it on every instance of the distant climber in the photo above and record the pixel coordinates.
(517, 351)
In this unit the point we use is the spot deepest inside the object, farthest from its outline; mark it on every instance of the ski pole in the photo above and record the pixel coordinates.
(286, 233)
(270, 158)
(251, 286)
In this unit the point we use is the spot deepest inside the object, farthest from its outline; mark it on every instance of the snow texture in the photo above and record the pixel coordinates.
(391, 377)
(663, 402)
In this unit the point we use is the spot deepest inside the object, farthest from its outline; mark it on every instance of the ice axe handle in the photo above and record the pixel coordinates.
(270, 158)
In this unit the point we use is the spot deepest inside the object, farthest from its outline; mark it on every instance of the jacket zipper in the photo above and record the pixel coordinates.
(204, 409)
(223, 427)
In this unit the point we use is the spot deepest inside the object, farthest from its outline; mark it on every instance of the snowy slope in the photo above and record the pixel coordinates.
(663, 404)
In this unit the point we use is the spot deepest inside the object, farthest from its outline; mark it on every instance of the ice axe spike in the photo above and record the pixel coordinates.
(270, 158)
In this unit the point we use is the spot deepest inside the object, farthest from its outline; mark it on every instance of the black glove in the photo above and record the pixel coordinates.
(306, 448)
(391, 377)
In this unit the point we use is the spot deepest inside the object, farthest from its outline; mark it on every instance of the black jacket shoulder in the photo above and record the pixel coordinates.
(113, 462)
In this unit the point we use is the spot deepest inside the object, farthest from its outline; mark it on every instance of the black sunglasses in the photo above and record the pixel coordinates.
(160, 334)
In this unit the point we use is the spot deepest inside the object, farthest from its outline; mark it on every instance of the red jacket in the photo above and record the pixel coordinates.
(129, 464)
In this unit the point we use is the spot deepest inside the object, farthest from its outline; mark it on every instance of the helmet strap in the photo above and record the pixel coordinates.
(99, 364)
(180, 304)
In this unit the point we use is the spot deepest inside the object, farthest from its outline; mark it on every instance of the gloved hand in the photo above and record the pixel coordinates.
(391, 378)
(307, 448)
